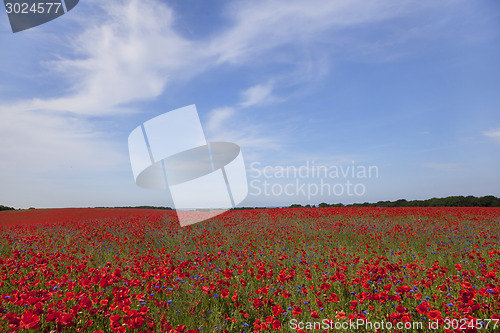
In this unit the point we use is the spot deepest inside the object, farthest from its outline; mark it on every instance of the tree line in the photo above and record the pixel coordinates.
(2, 207)
(452, 201)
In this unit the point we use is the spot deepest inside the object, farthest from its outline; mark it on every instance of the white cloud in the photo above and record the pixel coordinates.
(217, 118)
(42, 143)
(224, 126)
(133, 52)
(258, 94)
(261, 26)
(130, 56)
(493, 134)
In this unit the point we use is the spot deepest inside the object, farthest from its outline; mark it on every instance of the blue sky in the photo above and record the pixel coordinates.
(410, 87)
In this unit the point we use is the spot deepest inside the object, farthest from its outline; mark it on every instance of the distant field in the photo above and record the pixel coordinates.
(294, 270)
(61, 215)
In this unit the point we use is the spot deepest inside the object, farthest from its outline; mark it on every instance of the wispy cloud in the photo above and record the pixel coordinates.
(493, 134)
(227, 124)
(122, 57)
(130, 56)
(218, 117)
(264, 25)
(126, 58)
(230, 124)
(261, 26)
(36, 143)
(258, 94)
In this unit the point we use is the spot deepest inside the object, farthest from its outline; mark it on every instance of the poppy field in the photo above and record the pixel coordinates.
(262, 270)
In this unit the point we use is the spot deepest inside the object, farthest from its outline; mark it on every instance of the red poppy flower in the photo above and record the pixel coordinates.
(296, 310)
(434, 315)
(85, 303)
(422, 308)
(277, 310)
(29, 320)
